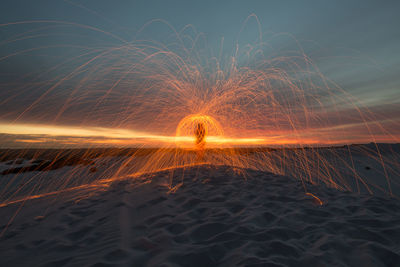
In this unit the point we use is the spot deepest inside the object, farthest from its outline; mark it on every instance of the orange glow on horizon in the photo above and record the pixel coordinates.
(101, 135)
(41, 134)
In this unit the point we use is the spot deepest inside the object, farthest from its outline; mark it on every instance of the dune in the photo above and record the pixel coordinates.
(216, 218)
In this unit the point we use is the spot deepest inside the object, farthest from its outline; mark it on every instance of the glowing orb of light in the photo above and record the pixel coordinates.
(195, 129)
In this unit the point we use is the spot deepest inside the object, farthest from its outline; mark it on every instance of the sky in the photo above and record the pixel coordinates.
(353, 44)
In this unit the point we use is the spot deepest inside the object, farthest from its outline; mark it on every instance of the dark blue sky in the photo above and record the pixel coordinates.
(354, 43)
(352, 40)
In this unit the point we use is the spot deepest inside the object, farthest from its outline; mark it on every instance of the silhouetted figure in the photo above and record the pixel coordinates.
(200, 133)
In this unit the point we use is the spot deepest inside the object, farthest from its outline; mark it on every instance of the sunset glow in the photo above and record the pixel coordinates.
(38, 135)
(80, 136)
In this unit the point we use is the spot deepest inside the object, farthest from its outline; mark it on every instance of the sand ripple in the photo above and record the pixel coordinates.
(215, 218)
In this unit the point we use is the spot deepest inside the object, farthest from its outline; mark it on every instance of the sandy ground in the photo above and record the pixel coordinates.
(216, 218)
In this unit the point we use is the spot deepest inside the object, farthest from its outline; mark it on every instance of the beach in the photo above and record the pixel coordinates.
(217, 217)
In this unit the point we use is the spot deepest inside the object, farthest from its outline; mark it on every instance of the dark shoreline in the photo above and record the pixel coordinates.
(91, 153)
